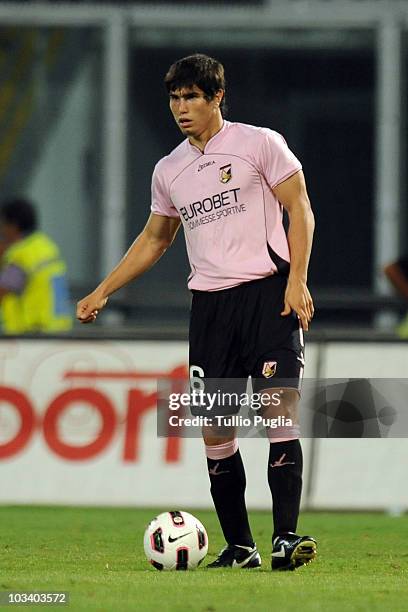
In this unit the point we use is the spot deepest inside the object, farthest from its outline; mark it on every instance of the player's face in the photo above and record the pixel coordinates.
(192, 111)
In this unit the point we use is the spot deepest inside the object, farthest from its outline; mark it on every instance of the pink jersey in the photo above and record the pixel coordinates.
(232, 220)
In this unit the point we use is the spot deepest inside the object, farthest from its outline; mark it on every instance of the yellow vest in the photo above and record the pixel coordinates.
(43, 306)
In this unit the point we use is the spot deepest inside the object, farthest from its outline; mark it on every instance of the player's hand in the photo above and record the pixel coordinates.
(298, 298)
(89, 307)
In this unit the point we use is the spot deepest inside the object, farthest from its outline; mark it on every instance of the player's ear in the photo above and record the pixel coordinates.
(219, 96)
(217, 99)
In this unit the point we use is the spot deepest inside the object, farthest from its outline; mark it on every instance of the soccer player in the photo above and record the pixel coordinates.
(227, 184)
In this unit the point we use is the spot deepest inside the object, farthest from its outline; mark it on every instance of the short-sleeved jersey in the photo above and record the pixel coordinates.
(232, 220)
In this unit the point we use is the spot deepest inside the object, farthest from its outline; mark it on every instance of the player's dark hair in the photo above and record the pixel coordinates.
(21, 213)
(201, 70)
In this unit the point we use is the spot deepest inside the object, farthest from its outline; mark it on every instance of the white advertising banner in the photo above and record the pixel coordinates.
(78, 426)
(77, 423)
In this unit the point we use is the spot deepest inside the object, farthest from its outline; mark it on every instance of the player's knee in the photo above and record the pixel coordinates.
(217, 440)
(282, 414)
(283, 402)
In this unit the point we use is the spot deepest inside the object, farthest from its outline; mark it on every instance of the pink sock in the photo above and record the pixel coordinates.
(222, 451)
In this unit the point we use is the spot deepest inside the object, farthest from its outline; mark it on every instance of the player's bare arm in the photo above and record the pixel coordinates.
(145, 251)
(293, 196)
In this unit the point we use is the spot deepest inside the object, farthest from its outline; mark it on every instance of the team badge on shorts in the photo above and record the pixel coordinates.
(269, 369)
(225, 173)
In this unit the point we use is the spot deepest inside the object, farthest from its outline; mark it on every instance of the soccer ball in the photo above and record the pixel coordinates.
(175, 541)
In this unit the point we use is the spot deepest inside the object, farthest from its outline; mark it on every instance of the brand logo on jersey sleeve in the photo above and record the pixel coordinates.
(225, 173)
(269, 369)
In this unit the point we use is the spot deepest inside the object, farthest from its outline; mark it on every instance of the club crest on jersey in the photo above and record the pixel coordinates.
(225, 173)
(269, 369)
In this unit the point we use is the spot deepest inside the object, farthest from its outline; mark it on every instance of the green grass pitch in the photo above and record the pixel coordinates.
(97, 555)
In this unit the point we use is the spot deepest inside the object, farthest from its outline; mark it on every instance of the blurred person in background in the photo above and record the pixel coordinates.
(33, 283)
(397, 274)
(227, 183)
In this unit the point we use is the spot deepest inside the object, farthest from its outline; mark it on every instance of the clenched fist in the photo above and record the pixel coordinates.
(89, 307)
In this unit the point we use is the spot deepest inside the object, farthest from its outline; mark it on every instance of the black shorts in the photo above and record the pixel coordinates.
(239, 332)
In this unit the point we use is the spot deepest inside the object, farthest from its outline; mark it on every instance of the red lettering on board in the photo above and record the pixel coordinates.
(98, 401)
(25, 410)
